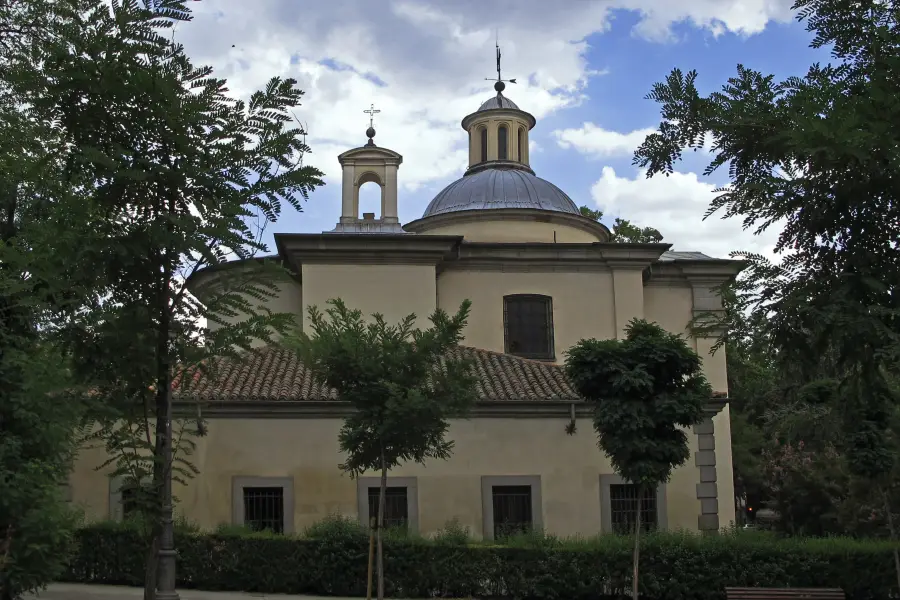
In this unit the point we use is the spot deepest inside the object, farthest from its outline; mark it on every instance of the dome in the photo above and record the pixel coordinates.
(500, 188)
(498, 101)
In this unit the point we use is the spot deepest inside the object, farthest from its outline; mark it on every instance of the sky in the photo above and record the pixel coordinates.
(583, 69)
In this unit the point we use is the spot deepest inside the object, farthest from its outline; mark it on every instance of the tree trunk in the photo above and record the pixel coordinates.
(373, 523)
(380, 558)
(637, 543)
(892, 531)
(150, 564)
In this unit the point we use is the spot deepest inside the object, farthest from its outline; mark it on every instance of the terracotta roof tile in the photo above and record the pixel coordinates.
(276, 374)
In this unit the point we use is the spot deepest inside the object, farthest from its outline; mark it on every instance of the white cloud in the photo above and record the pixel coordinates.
(423, 64)
(597, 142)
(675, 205)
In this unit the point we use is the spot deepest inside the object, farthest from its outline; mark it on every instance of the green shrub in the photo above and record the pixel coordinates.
(453, 534)
(336, 527)
(331, 559)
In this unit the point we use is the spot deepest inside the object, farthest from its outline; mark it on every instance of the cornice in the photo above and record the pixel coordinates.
(526, 409)
(634, 256)
(520, 256)
(498, 164)
(509, 214)
(694, 272)
(370, 152)
(713, 272)
(491, 114)
(328, 248)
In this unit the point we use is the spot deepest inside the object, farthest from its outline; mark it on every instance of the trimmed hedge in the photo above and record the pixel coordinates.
(673, 566)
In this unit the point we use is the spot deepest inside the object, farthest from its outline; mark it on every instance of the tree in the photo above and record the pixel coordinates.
(403, 383)
(645, 388)
(819, 154)
(43, 221)
(178, 176)
(624, 231)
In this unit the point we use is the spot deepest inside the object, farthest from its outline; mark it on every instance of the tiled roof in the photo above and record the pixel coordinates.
(670, 255)
(276, 374)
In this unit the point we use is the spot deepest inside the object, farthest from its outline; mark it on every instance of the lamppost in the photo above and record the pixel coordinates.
(165, 581)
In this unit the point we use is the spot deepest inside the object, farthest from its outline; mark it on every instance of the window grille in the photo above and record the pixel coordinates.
(512, 506)
(528, 326)
(264, 508)
(396, 506)
(135, 498)
(623, 502)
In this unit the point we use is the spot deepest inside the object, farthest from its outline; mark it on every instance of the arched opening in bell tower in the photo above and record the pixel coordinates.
(370, 197)
(522, 145)
(502, 142)
(483, 141)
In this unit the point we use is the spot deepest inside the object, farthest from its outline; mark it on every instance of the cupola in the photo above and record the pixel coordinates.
(498, 134)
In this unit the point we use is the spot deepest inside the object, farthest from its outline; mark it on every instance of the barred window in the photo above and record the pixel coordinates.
(528, 325)
(264, 508)
(135, 498)
(623, 505)
(484, 139)
(396, 506)
(512, 506)
(502, 142)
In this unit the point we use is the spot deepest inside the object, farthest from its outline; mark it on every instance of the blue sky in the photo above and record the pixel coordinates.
(583, 68)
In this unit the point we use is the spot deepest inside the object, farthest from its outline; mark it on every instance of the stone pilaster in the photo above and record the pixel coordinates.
(707, 488)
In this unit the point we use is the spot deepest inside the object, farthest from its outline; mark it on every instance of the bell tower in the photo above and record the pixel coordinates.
(363, 165)
(498, 131)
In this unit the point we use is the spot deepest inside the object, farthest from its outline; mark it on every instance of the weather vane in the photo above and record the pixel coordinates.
(372, 112)
(501, 83)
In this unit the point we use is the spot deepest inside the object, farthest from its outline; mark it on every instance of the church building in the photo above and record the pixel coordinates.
(541, 277)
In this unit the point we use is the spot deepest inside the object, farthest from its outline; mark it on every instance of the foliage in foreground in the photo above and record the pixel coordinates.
(645, 389)
(332, 560)
(404, 384)
(816, 156)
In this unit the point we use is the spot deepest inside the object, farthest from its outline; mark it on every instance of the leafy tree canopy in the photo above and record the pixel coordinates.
(645, 387)
(404, 383)
(624, 231)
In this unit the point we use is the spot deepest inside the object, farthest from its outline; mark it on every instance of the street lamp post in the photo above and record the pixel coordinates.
(165, 583)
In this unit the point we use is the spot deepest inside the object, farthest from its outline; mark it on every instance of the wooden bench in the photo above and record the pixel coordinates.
(758, 593)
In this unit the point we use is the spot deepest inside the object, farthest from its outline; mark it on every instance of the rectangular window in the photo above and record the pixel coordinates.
(130, 502)
(264, 508)
(623, 504)
(396, 506)
(131, 497)
(401, 501)
(513, 511)
(528, 325)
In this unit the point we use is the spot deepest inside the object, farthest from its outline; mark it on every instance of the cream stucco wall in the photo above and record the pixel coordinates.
(390, 289)
(582, 303)
(288, 299)
(589, 300)
(670, 306)
(307, 450)
(516, 231)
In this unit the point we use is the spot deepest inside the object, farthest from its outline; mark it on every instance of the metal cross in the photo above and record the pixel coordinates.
(372, 112)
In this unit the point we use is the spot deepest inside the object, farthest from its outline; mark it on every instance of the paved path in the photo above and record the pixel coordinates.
(72, 591)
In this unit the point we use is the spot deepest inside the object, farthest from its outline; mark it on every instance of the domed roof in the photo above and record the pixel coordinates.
(498, 101)
(500, 188)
